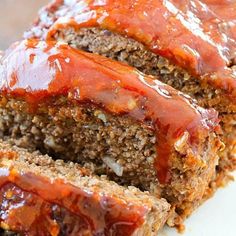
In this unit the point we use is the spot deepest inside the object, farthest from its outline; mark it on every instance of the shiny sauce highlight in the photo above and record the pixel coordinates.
(35, 205)
(198, 35)
(37, 70)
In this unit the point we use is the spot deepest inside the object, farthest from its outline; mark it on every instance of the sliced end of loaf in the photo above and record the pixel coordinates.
(71, 192)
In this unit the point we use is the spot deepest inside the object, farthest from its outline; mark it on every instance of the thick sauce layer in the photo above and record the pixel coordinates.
(38, 70)
(198, 35)
(35, 205)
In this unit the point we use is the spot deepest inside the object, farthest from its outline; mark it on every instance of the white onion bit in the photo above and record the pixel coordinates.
(111, 163)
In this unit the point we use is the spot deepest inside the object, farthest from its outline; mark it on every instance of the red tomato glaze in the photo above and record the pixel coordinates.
(198, 35)
(38, 70)
(35, 205)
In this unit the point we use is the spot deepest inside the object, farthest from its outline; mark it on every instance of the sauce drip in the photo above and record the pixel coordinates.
(35, 205)
(198, 35)
(57, 69)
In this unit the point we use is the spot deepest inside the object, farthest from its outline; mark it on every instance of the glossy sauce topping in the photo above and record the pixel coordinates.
(25, 212)
(35, 205)
(37, 70)
(198, 35)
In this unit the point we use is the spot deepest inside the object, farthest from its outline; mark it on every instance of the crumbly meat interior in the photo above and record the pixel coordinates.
(129, 51)
(23, 161)
(115, 146)
(118, 147)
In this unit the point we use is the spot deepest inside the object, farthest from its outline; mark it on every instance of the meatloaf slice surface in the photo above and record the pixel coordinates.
(39, 196)
(165, 35)
(110, 117)
(152, 38)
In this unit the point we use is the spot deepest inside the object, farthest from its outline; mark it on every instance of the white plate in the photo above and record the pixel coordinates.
(216, 217)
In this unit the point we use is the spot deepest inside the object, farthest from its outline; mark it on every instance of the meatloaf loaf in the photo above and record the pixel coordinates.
(39, 196)
(110, 118)
(190, 45)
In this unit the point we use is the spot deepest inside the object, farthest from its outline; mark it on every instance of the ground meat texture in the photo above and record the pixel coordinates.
(122, 48)
(115, 146)
(129, 51)
(110, 117)
(35, 187)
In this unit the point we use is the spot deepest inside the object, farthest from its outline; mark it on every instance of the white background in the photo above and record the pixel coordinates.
(216, 217)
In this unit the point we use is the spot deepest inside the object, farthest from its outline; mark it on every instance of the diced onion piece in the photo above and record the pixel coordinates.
(111, 163)
(181, 142)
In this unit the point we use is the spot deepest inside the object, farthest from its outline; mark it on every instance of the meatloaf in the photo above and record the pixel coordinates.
(40, 196)
(110, 118)
(190, 45)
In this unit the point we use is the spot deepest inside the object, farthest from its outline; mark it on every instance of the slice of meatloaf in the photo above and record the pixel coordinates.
(39, 196)
(109, 117)
(190, 45)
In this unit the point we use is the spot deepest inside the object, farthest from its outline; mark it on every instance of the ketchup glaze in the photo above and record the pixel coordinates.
(36, 70)
(35, 205)
(197, 35)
